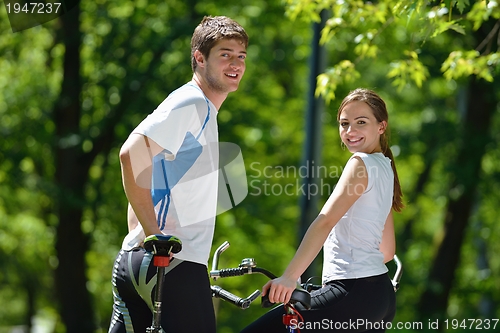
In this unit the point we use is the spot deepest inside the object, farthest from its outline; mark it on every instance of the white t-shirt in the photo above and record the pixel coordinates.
(352, 249)
(185, 174)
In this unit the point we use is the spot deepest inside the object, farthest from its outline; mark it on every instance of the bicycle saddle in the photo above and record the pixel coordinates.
(162, 245)
(299, 295)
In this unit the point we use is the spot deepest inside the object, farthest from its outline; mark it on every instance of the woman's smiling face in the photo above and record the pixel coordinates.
(359, 129)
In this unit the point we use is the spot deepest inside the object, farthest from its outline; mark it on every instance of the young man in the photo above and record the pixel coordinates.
(170, 177)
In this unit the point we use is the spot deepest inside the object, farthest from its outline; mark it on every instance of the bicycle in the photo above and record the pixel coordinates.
(162, 246)
(300, 295)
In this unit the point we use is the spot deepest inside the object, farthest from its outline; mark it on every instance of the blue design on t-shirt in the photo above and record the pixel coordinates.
(167, 173)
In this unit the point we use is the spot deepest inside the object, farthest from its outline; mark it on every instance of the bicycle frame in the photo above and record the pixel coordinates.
(162, 246)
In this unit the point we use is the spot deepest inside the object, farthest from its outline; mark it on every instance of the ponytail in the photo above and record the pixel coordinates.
(397, 199)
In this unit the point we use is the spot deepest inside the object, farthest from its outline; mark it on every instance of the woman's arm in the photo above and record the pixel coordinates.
(352, 184)
(388, 244)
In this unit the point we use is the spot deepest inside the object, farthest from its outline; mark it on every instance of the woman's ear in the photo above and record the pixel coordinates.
(382, 127)
(200, 59)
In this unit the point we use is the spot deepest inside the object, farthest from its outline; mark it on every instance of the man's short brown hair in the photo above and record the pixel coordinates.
(213, 29)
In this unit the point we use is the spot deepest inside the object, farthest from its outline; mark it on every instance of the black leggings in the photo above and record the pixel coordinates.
(353, 305)
(186, 302)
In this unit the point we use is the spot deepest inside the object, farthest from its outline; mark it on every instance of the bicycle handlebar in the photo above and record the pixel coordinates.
(243, 303)
(248, 266)
(399, 272)
(215, 260)
(241, 270)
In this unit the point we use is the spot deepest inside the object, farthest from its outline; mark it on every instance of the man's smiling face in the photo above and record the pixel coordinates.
(225, 66)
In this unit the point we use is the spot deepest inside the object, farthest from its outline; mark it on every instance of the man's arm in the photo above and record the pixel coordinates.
(136, 158)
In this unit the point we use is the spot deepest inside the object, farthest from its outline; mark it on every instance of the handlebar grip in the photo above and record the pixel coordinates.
(266, 303)
(228, 272)
(243, 303)
(299, 295)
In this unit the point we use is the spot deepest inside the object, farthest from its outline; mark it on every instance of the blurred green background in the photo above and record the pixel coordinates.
(73, 88)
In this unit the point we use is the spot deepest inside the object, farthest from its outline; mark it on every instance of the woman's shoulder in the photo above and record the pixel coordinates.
(373, 158)
(369, 165)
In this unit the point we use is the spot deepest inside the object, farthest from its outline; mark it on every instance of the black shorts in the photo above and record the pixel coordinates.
(186, 298)
(352, 305)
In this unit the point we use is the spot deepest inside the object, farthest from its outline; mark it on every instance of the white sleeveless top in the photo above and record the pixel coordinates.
(352, 249)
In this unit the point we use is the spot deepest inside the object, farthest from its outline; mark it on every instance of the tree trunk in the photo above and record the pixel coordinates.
(31, 293)
(312, 145)
(467, 169)
(71, 173)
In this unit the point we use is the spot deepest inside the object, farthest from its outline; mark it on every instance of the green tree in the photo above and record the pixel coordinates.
(103, 67)
(416, 40)
(72, 89)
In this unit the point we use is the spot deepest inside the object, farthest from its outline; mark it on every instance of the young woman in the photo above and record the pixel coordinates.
(356, 230)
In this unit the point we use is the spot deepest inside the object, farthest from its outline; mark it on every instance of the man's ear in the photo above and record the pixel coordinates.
(200, 59)
(382, 127)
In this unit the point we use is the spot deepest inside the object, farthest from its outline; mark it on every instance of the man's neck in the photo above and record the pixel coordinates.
(216, 98)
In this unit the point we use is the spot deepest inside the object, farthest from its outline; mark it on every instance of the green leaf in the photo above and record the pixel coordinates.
(342, 73)
(410, 70)
(462, 4)
(443, 26)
